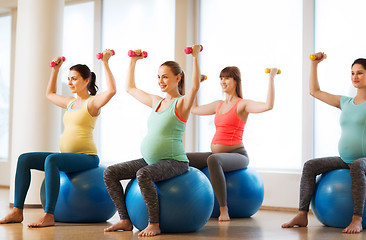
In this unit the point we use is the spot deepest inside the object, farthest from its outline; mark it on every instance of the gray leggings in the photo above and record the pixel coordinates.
(218, 163)
(317, 166)
(146, 175)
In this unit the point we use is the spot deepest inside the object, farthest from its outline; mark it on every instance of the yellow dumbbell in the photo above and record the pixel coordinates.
(268, 70)
(313, 57)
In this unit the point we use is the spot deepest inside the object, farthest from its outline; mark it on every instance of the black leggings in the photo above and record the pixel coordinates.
(317, 166)
(217, 164)
(146, 176)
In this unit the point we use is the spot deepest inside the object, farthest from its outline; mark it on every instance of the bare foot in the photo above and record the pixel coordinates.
(224, 214)
(301, 220)
(15, 216)
(46, 220)
(355, 226)
(152, 229)
(124, 224)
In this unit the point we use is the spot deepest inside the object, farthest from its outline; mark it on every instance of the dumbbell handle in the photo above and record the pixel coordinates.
(313, 57)
(188, 50)
(100, 55)
(52, 63)
(268, 70)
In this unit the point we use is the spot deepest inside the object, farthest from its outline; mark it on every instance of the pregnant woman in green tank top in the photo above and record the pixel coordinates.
(162, 148)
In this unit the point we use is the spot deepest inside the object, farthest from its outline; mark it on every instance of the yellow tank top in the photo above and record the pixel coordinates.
(78, 130)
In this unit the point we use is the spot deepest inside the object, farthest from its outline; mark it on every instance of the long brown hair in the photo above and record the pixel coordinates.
(176, 69)
(233, 72)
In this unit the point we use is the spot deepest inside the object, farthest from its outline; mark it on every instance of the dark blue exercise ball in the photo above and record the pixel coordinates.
(332, 202)
(185, 203)
(245, 193)
(83, 197)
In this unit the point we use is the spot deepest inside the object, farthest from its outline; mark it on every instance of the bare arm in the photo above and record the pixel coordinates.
(186, 102)
(102, 99)
(206, 109)
(142, 96)
(250, 106)
(333, 100)
(51, 94)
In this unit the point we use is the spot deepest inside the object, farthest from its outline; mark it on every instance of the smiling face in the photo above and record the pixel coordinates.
(358, 76)
(228, 85)
(167, 80)
(76, 82)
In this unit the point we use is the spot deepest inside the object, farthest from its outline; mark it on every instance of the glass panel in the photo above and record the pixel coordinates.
(147, 25)
(343, 42)
(5, 43)
(254, 35)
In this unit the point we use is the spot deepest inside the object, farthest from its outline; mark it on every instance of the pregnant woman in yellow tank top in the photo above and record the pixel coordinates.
(78, 151)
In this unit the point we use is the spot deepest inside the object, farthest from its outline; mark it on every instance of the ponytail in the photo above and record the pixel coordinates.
(181, 87)
(92, 87)
(176, 69)
(86, 73)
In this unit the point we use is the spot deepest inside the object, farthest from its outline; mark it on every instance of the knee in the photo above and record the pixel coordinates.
(212, 161)
(309, 167)
(142, 174)
(50, 161)
(108, 174)
(23, 160)
(359, 165)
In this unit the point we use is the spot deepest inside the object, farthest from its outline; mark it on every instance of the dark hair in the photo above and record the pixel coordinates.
(86, 73)
(361, 61)
(176, 69)
(233, 72)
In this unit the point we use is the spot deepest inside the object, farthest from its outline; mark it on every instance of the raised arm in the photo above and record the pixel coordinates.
(333, 100)
(250, 106)
(51, 94)
(103, 98)
(142, 96)
(186, 102)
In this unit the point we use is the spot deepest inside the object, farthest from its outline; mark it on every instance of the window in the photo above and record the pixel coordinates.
(254, 35)
(5, 52)
(78, 44)
(343, 42)
(147, 25)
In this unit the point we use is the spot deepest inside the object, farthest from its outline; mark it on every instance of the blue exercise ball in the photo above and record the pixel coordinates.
(185, 203)
(245, 193)
(83, 197)
(332, 202)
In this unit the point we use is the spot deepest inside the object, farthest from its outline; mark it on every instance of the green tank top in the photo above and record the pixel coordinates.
(164, 139)
(352, 144)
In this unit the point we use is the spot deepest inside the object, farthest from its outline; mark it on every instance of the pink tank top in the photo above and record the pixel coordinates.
(229, 127)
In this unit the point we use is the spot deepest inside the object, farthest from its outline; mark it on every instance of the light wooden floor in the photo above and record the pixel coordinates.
(263, 225)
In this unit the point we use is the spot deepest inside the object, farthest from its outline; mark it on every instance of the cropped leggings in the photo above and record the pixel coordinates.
(146, 175)
(217, 164)
(51, 164)
(317, 166)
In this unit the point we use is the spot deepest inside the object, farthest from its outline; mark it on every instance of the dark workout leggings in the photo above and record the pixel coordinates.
(317, 166)
(146, 175)
(217, 164)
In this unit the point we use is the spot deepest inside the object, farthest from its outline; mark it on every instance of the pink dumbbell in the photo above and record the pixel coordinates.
(100, 55)
(52, 63)
(132, 53)
(203, 77)
(188, 50)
